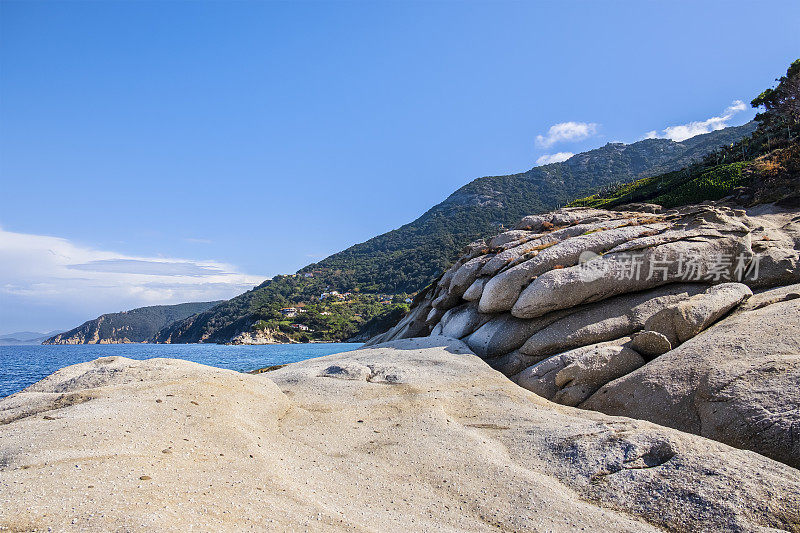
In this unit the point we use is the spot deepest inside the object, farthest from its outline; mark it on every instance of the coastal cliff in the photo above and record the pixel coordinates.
(262, 337)
(136, 325)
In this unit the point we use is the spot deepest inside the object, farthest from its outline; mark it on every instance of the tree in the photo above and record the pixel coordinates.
(781, 104)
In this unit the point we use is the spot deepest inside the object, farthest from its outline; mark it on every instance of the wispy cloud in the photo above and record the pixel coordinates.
(686, 131)
(566, 132)
(546, 159)
(40, 268)
(148, 267)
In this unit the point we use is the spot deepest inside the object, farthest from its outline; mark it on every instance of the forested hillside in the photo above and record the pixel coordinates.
(761, 167)
(408, 258)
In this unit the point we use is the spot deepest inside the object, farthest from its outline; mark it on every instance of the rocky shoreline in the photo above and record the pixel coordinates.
(417, 434)
(261, 337)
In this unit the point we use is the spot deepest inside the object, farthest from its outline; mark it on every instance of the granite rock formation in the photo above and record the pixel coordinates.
(640, 312)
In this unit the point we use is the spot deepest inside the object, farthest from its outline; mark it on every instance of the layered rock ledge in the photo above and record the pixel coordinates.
(414, 435)
(639, 312)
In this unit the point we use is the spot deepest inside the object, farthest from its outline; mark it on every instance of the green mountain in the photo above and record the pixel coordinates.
(762, 167)
(137, 325)
(391, 266)
(410, 257)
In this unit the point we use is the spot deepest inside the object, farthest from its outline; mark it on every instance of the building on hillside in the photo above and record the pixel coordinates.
(332, 294)
(289, 312)
(301, 327)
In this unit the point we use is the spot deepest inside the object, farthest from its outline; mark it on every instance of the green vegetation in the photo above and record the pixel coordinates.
(329, 320)
(671, 189)
(781, 103)
(712, 184)
(766, 163)
(336, 317)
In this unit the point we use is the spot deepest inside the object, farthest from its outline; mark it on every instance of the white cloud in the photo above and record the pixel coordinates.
(686, 131)
(36, 269)
(566, 131)
(736, 107)
(546, 159)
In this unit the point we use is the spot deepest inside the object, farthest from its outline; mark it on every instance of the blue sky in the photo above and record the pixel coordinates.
(156, 152)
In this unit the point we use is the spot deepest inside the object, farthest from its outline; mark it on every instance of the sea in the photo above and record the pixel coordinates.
(24, 365)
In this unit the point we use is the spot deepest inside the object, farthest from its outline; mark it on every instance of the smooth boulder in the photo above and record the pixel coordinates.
(571, 377)
(621, 272)
(604, 321)
(683, 320)
(737, 382)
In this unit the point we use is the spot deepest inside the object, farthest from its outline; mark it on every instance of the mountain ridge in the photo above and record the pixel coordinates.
(26, 337)
(507, 198)
(133, 326)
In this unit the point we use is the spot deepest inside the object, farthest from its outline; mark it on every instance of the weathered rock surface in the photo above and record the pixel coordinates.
(571, 377)
(529, 248)
(503, 290)
(683, 320)
(262, 337)
(475, 291)
(651, 343)
(738, 382)
(505, 333)
(601, 309)
(611, 319)
(612, 274)
(460, 321)
(776, 238)
(337, 443)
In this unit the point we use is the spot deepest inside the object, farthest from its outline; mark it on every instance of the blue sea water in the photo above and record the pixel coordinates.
(21, 366)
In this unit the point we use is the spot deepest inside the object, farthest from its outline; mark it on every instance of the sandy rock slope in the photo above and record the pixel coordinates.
(416, 435)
